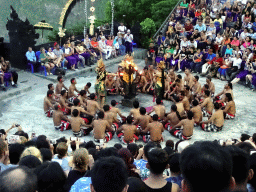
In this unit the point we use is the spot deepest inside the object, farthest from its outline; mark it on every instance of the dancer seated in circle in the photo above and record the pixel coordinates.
(180, 107)
(60, 121)
(60, 85)
(87, 87)
(216, 122)
(155, 129)
(92, 105)
(71, 90)
(230, 109)
(77, 123)
(143, 120)
(83, 98)
(81, 112)
(196, 88)
(111, 85)
(197, 111)
(211, 85)
(111, 118)
(184, 129)
(116, 111)
(207, 105)
(228, 88)
(102, 130)
(173, 118)
(135, 112)
(128, 133)
(185, 101)
(48, 103)
(63, 102)
(159, 109)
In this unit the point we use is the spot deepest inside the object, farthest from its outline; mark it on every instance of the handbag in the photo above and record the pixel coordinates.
(60, 71)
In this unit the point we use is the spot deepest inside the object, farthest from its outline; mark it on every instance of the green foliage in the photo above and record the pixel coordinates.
(147, 27)
(147, 30)
(146, 12)
(161, 10)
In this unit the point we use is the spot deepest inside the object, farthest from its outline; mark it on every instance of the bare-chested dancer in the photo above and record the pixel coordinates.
(135, 112)
(155, 129)
(184, 129)
(60, 121)
(60, 85)
(102, 130)
(159, 109)
(128, 133)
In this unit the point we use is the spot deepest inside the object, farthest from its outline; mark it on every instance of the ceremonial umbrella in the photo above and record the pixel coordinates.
(44, 26)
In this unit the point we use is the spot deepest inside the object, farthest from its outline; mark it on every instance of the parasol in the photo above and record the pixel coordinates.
(44, 26)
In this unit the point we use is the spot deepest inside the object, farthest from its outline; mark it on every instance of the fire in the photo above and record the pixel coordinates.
(127, 64)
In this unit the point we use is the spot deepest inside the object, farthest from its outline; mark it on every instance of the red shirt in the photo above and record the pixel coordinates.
(197, 14)
(94, 44)
(188, 27)
(219, 60)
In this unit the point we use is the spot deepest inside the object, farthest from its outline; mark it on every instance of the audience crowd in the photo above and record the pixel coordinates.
(84, 53)
(38, 164)
(215, 38)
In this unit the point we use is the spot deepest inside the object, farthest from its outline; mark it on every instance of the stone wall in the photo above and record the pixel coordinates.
(48, 10)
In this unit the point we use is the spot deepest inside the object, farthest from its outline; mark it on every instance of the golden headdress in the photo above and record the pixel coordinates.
(100, 63)
(161, 65)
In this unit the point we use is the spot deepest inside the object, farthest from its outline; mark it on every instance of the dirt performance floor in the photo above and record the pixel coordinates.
(27, 110)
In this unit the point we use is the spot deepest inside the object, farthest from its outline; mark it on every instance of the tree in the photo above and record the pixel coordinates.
(161, 10)
(147, 30)
(131, 11)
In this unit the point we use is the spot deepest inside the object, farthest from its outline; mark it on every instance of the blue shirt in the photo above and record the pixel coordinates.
(200, 28)
(176, 180)
(3, 167)
(63, 162)
(228, 51)
(82, 185)
(31, 56)
(141, 165)
(210, 57)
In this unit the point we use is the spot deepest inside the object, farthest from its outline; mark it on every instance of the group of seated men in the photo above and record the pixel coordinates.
(191, 101)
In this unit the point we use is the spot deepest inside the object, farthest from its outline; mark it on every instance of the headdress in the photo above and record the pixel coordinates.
(161, 65)
(100, 63)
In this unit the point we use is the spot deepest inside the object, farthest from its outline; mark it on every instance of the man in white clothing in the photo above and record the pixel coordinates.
(122, 29)
(103, 47)
(128, 41)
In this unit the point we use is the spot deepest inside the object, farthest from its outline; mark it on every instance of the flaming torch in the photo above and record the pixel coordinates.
(128, 76)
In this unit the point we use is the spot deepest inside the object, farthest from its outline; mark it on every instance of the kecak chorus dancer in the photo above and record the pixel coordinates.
(100, 85)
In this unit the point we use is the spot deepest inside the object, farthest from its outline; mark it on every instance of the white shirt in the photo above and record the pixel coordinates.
(67, 50)
(102, 44)
(237, 62)
(183, 44)
(219, 40)
(51, 54)
(194, 44)
(122, 28)
(128, 38)
(249, 57)
(243, 35)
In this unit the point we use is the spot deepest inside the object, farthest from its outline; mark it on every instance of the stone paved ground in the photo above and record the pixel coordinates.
(27, 110)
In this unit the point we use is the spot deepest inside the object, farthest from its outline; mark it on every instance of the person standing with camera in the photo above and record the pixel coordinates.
(128, 37)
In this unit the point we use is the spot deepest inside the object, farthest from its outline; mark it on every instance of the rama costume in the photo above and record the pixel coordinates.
(100, 86)
(159, 80)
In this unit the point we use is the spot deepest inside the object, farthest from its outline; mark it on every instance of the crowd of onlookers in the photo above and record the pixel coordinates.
(214, 38)
(38, 164)
(85, 52)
